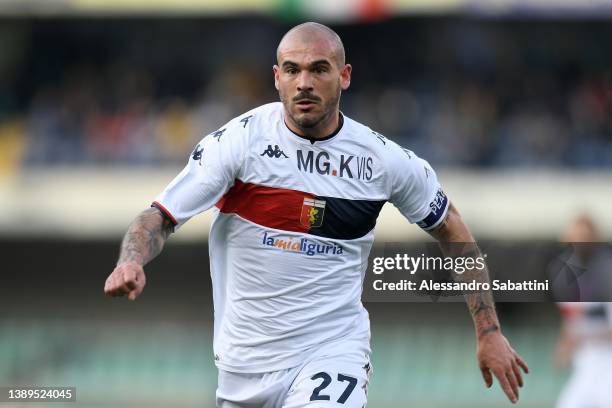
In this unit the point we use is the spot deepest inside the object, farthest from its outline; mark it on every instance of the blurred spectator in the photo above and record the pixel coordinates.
(460, 93)
(585, 338)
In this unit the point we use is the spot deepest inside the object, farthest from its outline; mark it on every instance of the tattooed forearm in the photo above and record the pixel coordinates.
(145, 237)
(492, 328)
(456, 241)
(482, 309)
(480, 304)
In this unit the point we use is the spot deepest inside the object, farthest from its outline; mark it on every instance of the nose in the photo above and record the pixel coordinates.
(305, 82)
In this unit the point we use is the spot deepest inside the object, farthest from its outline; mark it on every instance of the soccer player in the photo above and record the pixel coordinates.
(585, 338)
(297, 187)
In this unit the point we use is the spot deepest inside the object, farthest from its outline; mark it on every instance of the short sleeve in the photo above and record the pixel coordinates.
(210, 172)
(415, 189)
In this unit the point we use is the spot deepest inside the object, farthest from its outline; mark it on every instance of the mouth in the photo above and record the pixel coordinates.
(305, 104)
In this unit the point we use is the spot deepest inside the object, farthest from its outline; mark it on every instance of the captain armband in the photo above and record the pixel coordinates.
(438, 209)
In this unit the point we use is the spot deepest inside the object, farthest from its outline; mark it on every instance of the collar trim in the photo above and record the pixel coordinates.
(312, 140)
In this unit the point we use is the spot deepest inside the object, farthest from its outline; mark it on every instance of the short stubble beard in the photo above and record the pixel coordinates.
(306, 125)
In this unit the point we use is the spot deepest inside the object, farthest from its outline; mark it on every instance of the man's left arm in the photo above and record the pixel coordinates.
(494, 353)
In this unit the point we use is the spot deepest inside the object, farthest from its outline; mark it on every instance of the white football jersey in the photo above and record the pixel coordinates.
(292, 230)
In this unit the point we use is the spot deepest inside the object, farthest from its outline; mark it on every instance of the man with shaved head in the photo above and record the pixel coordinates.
(296, 188)
(311, 102)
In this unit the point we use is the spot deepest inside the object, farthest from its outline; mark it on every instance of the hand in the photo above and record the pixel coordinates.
(495, 355)
(127, 279)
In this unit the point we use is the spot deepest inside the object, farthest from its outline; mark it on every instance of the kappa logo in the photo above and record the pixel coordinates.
(197, 154)
(379, 137)
(276, 152)
(312, 212)
(245, 120)
(217, 134)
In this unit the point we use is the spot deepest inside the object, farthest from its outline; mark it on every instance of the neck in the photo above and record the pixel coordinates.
(325, 128)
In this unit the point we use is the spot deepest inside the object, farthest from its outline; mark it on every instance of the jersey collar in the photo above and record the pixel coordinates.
(312, 140)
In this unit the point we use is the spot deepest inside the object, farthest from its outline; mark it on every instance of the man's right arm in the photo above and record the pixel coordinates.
(211, 170)
(143, 241)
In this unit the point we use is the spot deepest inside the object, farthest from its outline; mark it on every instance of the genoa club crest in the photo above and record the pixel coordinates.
(312, 212)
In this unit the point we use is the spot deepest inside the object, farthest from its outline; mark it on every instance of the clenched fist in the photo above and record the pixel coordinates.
(127, 279)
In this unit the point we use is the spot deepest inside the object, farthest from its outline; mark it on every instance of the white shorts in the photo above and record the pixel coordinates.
(326, 380)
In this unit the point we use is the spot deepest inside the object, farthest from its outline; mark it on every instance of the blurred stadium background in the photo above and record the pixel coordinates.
(101, 102)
